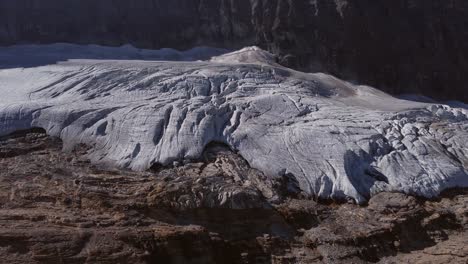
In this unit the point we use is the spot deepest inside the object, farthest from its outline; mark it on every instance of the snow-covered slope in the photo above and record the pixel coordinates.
(39, 55)
(337, 139)
(246, 55)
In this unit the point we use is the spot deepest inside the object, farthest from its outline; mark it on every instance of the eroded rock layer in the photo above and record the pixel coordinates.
(57, 207)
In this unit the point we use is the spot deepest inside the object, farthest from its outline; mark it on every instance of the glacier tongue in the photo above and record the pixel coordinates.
(337, 139)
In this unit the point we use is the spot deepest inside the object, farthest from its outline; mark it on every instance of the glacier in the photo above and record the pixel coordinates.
(139, 108)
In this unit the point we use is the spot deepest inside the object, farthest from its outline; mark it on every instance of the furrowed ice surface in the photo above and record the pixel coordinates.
(337, 139)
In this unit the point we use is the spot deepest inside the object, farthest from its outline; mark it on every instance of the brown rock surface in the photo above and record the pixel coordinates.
(56, 207)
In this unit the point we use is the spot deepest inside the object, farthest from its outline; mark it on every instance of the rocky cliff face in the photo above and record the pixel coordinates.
(56, 207)
(179, 24)
(404, 46)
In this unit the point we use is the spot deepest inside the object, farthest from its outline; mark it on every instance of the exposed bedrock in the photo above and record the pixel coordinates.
(405, 46)
(57, 207)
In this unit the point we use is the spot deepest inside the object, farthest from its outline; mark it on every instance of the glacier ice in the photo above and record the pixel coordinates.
(337, 139)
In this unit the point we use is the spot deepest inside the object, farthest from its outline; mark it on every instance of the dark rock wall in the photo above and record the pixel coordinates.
(144, 23)
(401, 46)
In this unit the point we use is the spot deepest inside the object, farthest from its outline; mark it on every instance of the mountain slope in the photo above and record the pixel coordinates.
(404, 46)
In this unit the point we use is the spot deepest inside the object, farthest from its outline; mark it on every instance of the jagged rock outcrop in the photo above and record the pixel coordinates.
(57, 207)
(337, 140)
(407, 46)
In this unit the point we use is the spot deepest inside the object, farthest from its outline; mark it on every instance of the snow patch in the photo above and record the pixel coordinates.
(21, 56)
(253, 55)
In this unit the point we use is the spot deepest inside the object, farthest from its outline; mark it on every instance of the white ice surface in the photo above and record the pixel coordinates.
(39, 55)
(339, 140)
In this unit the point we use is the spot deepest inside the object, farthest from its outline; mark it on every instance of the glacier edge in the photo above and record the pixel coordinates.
(337, 139)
